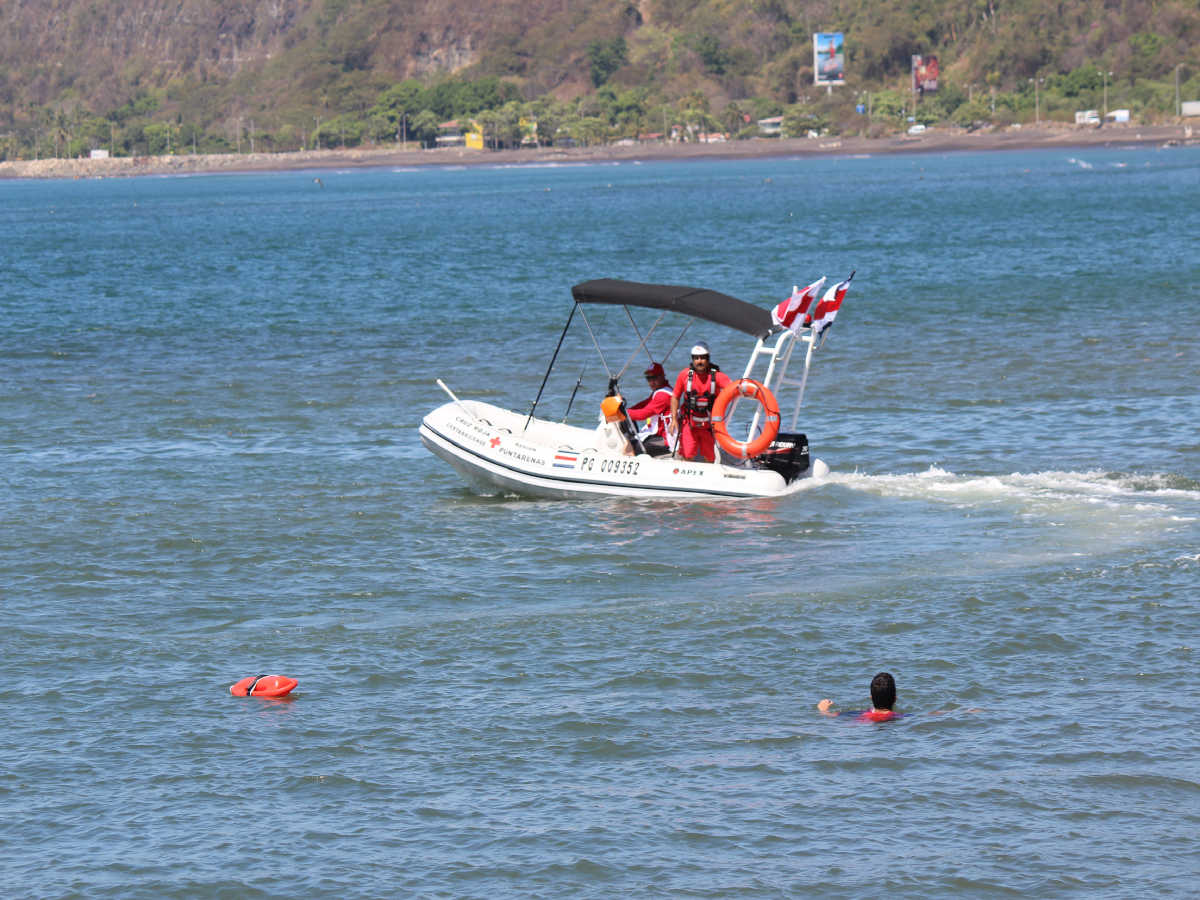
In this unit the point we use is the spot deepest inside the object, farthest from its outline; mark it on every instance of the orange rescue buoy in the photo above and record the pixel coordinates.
(268, 686)
(745, 387)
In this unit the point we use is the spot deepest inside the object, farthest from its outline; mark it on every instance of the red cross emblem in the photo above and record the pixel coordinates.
(495, 442)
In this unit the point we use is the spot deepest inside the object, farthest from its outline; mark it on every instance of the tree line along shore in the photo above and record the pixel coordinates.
(488, 112)
(932, 140)
(147, 79)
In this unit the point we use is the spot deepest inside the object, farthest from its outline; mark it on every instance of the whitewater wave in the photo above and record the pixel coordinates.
(1040, 493)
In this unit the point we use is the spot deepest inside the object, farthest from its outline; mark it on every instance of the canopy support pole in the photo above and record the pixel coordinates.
(643, 340)
(595, 343)
(549, 368)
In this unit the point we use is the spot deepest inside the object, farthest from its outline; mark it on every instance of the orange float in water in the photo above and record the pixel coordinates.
(268, 686)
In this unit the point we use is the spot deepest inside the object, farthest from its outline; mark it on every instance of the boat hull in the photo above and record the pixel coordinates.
(498, 451)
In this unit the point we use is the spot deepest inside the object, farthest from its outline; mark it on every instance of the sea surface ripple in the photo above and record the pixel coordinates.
(210, 390)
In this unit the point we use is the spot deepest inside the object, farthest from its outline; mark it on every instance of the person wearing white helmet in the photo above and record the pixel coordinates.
(655, 413)
(696, 390)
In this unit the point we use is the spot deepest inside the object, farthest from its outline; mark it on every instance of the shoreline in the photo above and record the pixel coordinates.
(935, 140)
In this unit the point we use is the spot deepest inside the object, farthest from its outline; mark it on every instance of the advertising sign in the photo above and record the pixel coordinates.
(925, 75)
(829, 58)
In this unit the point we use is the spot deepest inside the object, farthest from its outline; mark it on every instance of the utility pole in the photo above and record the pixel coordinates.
(912, 86)
(1107, 75)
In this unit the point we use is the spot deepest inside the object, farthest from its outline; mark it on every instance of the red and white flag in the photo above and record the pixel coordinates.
(790, 313)
(827, 309)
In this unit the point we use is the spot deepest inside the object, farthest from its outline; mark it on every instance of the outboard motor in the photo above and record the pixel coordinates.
(787, 455)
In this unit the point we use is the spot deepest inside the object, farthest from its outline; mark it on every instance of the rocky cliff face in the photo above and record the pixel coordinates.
(105, 50)
(203, 60)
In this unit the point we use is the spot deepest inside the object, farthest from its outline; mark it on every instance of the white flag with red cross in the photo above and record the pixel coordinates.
(827, 309)
(791, 312)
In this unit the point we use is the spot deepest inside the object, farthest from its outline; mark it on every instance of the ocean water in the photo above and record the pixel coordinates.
(210, 390)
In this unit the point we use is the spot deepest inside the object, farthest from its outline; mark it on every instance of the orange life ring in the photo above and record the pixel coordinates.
(745, 387)
(269, 686)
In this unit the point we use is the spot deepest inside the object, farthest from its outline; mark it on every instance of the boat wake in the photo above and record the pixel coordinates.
(1096, 496)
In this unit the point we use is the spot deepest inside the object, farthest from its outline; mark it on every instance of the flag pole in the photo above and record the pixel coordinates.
(811, 340)
(814, 334)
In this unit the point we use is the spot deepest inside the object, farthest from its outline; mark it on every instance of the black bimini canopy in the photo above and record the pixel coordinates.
(699, 303)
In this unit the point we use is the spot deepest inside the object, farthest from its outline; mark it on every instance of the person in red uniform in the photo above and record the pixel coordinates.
(696, 390)
(655, 413)
(883, 698)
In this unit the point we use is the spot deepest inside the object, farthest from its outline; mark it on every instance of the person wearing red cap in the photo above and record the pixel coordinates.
(655, 413)
(696, 390)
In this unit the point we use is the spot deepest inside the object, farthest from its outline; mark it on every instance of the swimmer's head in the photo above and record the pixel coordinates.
(883, 691)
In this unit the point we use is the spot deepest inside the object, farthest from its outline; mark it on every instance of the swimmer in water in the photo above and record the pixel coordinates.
(883, 698)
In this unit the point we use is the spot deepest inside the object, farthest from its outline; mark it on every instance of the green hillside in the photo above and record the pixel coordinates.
(145, 77)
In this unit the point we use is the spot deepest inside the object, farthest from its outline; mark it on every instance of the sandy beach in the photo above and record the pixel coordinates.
(935, 140)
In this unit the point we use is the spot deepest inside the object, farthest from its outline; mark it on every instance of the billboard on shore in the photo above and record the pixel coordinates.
(924, 75)
(829, 58)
